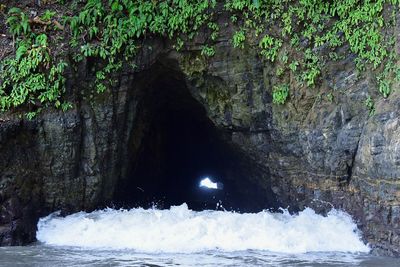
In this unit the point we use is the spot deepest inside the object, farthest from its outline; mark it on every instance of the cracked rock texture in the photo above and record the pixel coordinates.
(321, 149)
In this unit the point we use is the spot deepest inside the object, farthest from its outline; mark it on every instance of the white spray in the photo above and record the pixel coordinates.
(179, 229)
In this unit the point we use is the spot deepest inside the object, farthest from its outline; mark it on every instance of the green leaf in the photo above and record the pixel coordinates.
(22, 49)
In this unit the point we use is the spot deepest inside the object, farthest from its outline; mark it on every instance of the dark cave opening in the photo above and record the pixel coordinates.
(178, 147)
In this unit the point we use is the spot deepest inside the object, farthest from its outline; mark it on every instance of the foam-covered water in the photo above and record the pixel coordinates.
(181, 230)
(40, 255)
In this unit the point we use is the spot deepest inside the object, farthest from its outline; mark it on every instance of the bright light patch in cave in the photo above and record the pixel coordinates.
(206, 182)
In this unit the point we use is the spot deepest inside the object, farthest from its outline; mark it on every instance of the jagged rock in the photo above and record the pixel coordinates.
(309, 152)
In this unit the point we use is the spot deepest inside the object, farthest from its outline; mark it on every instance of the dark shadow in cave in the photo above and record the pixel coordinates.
(179, 145)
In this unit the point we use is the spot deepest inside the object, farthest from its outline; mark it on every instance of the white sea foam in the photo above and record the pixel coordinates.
(179, 229)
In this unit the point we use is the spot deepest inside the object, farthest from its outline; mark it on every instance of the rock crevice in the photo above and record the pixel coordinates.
(309, 152)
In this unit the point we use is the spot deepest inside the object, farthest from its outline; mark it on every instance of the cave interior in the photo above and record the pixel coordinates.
(181, 145)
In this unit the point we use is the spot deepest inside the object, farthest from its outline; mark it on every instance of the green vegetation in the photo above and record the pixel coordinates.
(48, 15)
(238, 39)
(280, 94)
(207, 51)
(311, 26)
(18, 22)
(293, 66)
(112, 32)
(270, 47)
(31, 76)
(369, 103)
(312, 67)
(114, 27)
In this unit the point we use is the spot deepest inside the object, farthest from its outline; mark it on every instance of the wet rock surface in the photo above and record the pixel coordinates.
(314, 151)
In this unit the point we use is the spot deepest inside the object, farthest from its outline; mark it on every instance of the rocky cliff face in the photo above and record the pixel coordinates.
(321, 149)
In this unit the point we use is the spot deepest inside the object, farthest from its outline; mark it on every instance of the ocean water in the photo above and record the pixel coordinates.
(181, 237)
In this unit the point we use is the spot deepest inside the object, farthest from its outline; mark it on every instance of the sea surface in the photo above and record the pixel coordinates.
(181, 237)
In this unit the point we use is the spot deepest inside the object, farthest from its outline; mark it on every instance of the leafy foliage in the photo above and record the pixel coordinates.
(280, 94)
(48, 15)
(369, 103)
(18, 22)
(208, 51)
(270, 47)
(120, 23)
(309, 25)
(112, 32)
(31, 77)
(312, 67)
(238, 39)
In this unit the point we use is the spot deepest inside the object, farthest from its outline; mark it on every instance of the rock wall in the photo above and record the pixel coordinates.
(321, 149)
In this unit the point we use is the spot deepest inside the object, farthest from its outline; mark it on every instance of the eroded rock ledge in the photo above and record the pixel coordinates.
(310, 152)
